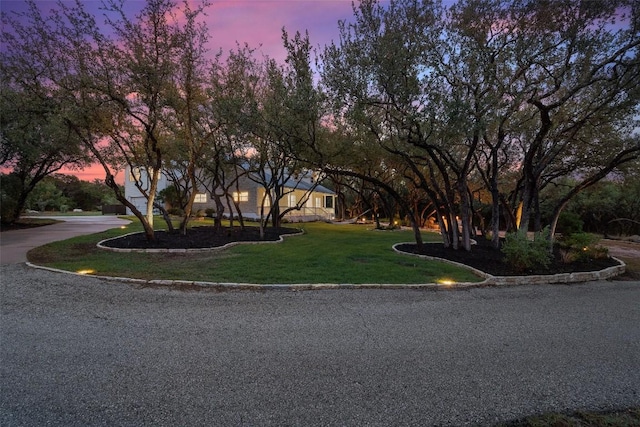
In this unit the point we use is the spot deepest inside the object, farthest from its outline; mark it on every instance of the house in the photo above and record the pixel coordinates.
(315, 201)
(133, 194)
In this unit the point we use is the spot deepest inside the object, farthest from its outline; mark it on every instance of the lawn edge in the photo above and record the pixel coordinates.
(100, 245)
(538, 279)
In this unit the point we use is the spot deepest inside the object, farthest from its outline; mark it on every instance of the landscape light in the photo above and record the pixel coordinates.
(446, 282)
(86, 271)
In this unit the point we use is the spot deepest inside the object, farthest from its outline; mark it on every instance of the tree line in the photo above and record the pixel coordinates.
(434, 110)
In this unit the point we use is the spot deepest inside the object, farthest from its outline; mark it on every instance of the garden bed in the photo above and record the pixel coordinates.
(198, 238)
(484, 258)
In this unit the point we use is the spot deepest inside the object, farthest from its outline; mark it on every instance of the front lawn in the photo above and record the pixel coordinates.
(326, 253)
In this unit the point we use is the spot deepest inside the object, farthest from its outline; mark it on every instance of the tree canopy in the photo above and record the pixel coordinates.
(460, 113)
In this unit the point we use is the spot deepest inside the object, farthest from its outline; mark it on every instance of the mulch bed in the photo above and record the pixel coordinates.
(198, 238)
(484, 258)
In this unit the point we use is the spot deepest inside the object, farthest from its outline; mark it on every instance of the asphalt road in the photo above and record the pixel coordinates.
(15, 244)
(79, 351)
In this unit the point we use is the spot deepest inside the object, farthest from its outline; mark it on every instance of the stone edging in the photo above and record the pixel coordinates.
(256, 287)
(576, 277)
(489, 280)
(162, 250)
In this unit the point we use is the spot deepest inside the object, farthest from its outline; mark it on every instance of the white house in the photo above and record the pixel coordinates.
(318, 201)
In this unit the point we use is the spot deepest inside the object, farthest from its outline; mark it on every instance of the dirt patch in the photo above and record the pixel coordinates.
(621, 248)
(627, 251)
(198, 238)
(484, 258)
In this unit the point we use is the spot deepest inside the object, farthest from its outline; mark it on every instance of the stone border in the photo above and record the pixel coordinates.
(221, 286)
(489, 280)
(542, 279)
(184, 251)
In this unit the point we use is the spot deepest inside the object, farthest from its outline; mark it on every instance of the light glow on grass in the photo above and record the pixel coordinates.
(326, 253)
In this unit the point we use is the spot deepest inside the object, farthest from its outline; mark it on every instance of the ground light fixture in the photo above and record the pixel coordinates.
(86, 271)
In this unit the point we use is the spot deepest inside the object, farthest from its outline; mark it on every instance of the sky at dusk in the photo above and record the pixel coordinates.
(258, 23)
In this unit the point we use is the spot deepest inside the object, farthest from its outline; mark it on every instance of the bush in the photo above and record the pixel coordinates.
(569, 223)
(524, 254)
(210, 212)
(581, 246)
(176, 212)
(200, 213)
(8, 207)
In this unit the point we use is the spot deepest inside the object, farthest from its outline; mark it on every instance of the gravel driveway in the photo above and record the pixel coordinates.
(78, 351)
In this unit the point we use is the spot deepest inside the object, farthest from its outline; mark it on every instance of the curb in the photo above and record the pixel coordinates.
(542, 279)
(265, 287)
(100, 245)
(489, 280)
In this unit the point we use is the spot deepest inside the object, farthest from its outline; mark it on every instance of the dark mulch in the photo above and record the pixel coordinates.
(198, 238)
(485, 258)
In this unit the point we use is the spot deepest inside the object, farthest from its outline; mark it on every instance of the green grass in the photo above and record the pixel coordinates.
(326, 253)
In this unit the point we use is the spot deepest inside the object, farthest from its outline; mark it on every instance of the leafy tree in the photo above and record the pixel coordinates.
(377, 76)
(47, 196)
(35, 141)
(112, 88)
(186, 99)
(509, 94)
(581, 77)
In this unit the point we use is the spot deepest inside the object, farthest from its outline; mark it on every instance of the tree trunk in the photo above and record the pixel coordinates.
(446, 241)
(465, 215)
(217, 223)
(166, 217)
(416, 230)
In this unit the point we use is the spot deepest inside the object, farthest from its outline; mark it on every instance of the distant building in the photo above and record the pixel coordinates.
(319, 202)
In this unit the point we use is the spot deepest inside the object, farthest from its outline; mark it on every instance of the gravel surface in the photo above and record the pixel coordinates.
(78, 351)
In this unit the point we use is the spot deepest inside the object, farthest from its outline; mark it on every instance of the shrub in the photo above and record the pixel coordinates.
(524, 254)
(176, 211)
(8, 206)
(200, 213)
(581, 246)
(210, 212)
(569, 223)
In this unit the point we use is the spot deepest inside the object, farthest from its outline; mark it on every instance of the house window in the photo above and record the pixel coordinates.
(134, 175)
(200, 198)
(292, 200)
(241, 196)
(328, 202)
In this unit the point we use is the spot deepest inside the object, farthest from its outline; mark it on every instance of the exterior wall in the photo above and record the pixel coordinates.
(134, 195)
(314, 209)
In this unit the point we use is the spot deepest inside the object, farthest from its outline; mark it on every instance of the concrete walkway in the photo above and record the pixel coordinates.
(15, 244)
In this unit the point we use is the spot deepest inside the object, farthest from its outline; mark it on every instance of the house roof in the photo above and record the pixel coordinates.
(304, 183)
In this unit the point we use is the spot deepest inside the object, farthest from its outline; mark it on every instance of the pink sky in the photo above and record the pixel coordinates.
(256, 22)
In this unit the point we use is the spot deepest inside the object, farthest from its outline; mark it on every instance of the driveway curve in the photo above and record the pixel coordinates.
(15, 244)
(81, 351)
